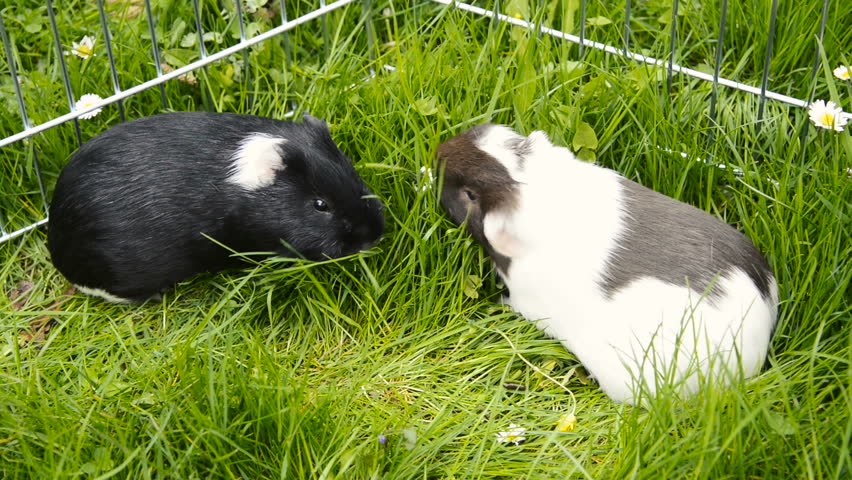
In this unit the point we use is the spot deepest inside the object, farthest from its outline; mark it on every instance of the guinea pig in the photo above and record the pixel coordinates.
(643, 289)
(152, 202)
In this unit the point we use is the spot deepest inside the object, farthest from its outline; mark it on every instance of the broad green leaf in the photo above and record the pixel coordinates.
(213, 36)
(564, 115)
(779, 423)
(189, 40)
(178, 57)
(643, 75)
(471, 286)
(253, 5)
(598, 21)
(518, 8)
(594, 87)
(587, 155)
(526, 81)
(410, 436)
(585, 137)
(426, 106)
(277, 76)
(33, 27)
(176, 32)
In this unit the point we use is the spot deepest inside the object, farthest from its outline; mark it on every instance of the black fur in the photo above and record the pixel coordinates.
(132, 207)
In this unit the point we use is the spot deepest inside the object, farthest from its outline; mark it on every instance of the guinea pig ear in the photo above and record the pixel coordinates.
(498, 229)
(314, 122)
(539, 136)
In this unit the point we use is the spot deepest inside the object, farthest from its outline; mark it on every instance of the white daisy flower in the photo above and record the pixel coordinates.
(84, 49)
(843, 72)
(87, 101)
(827, 115)
(515, 435)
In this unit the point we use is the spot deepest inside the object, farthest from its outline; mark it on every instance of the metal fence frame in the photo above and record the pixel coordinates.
(323, 9)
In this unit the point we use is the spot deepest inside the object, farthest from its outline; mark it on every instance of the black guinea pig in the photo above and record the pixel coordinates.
(134, 207)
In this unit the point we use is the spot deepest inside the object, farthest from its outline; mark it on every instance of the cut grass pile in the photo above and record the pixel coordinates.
(397, 363)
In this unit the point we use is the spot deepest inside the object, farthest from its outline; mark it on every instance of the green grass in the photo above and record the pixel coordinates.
(291, 370)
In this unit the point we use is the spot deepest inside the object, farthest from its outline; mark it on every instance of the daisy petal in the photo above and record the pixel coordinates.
(827, 115)
(515, 435)
(87, 101)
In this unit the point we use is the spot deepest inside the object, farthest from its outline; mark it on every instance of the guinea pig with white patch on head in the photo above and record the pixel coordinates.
(134, 207)
(642, 288)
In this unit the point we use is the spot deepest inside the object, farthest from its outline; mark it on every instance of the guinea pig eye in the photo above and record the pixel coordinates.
(320, 205)
(470, 195)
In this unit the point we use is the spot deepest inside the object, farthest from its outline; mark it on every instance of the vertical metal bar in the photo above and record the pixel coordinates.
(368, 19)
(672, 47)
(155, 49)
(814, 71)
(720, 42)
(540, 21)
(288, 54)
(201, 48)
(13, 71)
(766, 60)
(14, 79)
(324, 23)
(816, 49)
(246, 66)
(627, 26)
(240, 21)
(496, 20)
(582, 28)
(113, 70)
(69, 92)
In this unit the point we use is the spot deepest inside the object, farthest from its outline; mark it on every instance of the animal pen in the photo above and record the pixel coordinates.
(399, 362)
(36, 117)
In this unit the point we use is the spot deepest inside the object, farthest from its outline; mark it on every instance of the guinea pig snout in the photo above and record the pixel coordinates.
(366, 236)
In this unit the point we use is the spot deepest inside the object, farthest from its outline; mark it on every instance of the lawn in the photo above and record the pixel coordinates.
(397, 363)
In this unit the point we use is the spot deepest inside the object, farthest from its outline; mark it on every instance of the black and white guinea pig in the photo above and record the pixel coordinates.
(134, 206)
(639, 286)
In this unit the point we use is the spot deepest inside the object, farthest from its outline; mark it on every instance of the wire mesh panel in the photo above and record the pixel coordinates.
(71, 68)
(66, 63)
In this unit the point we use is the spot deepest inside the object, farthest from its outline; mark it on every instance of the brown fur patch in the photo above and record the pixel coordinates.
(469, 170)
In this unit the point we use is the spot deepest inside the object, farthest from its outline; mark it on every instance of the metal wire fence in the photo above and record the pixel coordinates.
(282, 31)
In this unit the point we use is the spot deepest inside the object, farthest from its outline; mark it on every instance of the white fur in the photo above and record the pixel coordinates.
(256, 161)
(97, 292)
(559, 240)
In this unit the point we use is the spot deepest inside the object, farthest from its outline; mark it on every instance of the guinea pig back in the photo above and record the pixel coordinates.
(151, 202)
(643, 289)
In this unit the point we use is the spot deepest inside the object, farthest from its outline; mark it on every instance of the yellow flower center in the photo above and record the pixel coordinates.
(84, 50)
(827, 119)
(845, 75)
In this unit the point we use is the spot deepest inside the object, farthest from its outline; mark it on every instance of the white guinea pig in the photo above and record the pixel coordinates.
(640, 287)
